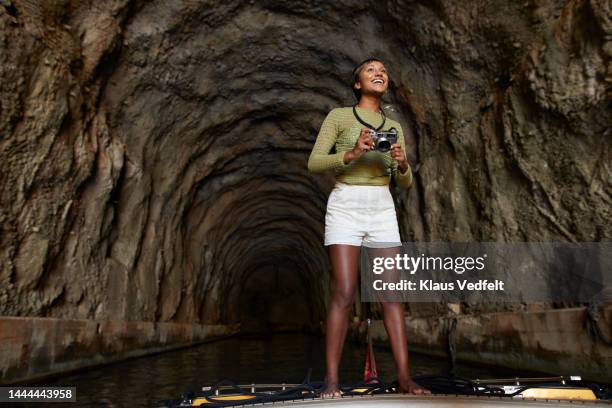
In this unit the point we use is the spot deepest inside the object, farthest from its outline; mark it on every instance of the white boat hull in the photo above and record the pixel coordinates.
(432, 401)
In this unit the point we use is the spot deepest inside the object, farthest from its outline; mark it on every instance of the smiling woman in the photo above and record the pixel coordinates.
(377, 78)
(360, 209)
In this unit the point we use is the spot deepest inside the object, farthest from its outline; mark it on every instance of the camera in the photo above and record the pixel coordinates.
(384, 140)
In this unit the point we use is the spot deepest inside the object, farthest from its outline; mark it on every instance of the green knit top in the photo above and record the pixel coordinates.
(341, 129)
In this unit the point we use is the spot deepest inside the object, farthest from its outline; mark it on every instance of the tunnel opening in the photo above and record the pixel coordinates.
(276, 296)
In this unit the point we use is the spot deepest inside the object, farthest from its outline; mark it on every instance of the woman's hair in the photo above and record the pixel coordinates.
(355, 76)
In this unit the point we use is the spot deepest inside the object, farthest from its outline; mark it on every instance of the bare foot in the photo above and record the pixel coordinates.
(408, 386)
(331, 390)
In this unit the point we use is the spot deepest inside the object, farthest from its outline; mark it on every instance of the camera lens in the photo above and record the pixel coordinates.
(383, 146)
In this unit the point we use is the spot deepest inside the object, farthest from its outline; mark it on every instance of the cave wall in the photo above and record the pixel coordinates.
(153, 154)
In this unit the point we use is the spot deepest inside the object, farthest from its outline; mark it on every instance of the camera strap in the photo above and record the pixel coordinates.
(364, 123)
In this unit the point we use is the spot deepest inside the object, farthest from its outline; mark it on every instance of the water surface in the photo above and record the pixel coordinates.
(279, 358)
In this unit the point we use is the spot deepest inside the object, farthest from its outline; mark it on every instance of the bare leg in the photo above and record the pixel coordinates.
(344, 262)
(396, 329)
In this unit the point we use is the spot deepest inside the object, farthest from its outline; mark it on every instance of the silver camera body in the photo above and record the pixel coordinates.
(384, 140)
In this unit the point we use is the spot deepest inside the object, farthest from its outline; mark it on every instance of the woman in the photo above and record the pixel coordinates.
(360, 210)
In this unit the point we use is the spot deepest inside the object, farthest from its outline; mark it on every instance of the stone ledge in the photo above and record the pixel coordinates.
(33, 348)
(554, 341)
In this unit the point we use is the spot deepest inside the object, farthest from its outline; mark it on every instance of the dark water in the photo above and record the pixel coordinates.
(280, 358)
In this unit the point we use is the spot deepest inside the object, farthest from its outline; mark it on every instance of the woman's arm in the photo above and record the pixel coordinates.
(402, 178)
(320, 159)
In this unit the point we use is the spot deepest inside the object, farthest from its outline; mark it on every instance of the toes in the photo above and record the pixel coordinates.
(424, 391)
(331, 394)
(421, 391)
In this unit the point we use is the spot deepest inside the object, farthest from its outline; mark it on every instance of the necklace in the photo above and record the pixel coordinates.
(363, 122)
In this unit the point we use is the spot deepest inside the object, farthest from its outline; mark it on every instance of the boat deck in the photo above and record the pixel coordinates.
(436, 401)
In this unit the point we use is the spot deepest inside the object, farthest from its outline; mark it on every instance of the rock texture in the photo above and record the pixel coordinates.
(37, 348)
(153, 154)
(552, 341)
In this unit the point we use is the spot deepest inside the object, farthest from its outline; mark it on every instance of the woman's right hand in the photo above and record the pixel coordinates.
(364, 143)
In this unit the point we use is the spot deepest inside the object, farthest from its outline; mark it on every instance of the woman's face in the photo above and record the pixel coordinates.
(373, 79)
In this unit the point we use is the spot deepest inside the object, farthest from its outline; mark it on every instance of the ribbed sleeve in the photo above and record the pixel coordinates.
(401, 179)
(320, 159)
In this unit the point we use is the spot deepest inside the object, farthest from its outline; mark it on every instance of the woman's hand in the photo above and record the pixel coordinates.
(397, 154)
(364, 143)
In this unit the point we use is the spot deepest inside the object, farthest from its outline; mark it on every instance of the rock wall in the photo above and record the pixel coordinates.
(555, 341)
(38, 348)
(153, 154)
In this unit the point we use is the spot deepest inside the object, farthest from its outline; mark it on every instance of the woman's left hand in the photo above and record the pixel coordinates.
(397, 154)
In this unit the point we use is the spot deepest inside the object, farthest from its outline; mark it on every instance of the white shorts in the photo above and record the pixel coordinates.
(361, 215)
